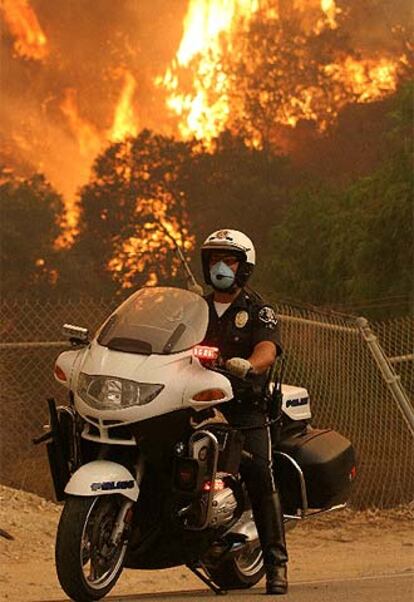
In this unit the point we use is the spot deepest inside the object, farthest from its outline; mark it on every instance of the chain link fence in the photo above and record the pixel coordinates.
(326, 353)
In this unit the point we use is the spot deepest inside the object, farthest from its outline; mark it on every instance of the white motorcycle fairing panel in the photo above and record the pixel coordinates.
(198, 379)
(68, 363)
(181, 375)
(102, 477)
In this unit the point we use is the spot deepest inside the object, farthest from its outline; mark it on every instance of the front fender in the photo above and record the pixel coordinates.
(102, 477)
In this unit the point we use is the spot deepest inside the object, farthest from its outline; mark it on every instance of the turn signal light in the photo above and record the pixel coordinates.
(209, 395)
(60, 375)
(203, 352)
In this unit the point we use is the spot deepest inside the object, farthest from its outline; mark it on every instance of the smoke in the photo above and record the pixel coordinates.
(377, 26)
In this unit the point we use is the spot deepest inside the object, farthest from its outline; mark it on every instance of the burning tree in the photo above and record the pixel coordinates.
(291, 74)
(133, 211)
(255, 65)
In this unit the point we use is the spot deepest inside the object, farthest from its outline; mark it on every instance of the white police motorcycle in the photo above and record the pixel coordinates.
(149, 469)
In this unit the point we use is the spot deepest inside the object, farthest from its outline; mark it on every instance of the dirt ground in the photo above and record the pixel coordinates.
(337, 545)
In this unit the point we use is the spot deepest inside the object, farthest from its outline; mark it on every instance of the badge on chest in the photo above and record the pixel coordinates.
(241, 319)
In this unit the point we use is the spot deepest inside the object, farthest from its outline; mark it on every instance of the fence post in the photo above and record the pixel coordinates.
(391, 378)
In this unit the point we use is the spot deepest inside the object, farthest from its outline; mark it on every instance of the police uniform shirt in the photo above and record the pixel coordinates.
(243, 325)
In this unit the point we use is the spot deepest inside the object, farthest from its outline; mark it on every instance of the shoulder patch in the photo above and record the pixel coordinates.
(267, 315)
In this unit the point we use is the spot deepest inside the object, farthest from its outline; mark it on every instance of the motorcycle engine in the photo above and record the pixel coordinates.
(224, 506)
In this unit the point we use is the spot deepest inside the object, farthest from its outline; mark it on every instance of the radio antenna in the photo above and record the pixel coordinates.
(192, 283)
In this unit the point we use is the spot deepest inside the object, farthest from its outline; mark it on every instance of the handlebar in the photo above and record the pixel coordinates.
(244, 381)
(270, 400)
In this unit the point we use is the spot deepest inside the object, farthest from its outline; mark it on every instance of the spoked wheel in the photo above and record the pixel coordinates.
(242, 571)
(88, 560)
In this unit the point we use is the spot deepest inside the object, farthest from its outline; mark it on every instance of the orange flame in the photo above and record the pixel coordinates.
(366, 79)
(199, 90)
(331, 11)
(328, 20)
(205, 21)
(125, 121)
(31, 42)
(206, 27)
(87, 135)
(91, 141)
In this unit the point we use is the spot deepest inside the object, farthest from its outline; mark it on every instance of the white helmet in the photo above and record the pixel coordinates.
(231, 241)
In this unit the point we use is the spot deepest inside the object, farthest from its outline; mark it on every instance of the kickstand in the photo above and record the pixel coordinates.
(217, 590)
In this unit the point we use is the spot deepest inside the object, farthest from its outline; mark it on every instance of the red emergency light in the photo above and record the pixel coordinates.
(203, 352)
(216, 485)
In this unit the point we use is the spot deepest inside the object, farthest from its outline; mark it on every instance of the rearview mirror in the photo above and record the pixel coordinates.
(77, 334)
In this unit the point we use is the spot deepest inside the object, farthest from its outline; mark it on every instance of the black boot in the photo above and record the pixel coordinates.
(276, 578)
(271, 530)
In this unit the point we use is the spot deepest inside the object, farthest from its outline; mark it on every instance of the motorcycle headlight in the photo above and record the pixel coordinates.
(110, 393)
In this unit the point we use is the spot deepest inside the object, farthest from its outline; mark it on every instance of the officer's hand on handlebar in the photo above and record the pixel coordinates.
(237, 366)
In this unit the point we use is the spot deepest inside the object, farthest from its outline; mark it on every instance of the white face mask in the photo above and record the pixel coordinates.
(222, 276)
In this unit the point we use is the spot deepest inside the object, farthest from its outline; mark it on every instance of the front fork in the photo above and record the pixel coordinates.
(124, 518)
(122, 522)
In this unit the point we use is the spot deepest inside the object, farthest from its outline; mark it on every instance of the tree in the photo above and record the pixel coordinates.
(353, 248)
(236, 186)
(382, 208)
(304, 261)
(132, 211)
(146, 191)
(31, 213)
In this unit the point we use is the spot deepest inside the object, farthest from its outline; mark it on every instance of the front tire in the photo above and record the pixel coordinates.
(242, 571)
(88, 563)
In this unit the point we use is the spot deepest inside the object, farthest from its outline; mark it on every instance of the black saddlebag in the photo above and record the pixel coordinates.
(327, 460)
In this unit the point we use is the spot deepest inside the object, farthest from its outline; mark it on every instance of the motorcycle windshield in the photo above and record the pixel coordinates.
(159, 320)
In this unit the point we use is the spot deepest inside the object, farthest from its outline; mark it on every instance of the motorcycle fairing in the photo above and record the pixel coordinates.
(68, 363)
(180, 373)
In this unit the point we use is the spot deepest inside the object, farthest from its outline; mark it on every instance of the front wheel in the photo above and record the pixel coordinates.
(88, 561)
(242, 571)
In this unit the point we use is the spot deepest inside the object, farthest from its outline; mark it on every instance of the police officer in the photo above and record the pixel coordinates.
(246, 332)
